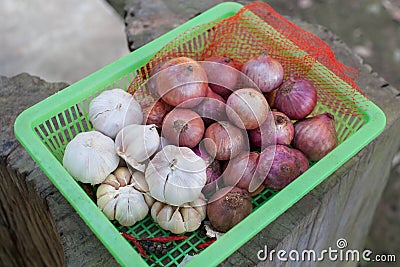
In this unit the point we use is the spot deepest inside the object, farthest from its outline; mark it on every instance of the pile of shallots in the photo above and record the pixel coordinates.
(204, 147)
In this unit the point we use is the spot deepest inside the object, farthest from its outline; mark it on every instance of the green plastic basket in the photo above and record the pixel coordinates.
(45, 129)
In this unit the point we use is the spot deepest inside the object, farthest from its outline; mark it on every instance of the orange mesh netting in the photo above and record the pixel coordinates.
(257, 28)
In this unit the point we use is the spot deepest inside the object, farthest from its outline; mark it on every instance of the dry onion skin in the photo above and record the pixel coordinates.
(266, 72)
(227, 207)
(247, 108)
(181, 82)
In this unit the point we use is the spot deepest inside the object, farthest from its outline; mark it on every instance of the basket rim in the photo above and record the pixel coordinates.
(124, 253)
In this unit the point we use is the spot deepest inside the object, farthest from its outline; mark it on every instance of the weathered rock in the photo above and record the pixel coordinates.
(37, 225)
(147, 20)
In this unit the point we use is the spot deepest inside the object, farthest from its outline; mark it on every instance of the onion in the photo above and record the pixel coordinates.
(212, 108)
(151, 83)
(284, 167)
(241, 172)
(247, 108)
(183, 127)
(224, 140)
(296, 98)
(316, 136)
(155, 113)
(302, 161)
(213, 171)
(271, 98)
(222, 74)
(182, 81)
(266, 72)
(275, 130)
(227, 207)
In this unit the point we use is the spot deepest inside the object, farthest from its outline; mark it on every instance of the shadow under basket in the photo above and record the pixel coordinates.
(46, 128)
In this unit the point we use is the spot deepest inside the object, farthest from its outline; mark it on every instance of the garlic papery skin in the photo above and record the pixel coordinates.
(112, 110)
(176, 175)
(136, 143)
(90, 157)
(186, 218)
(119, 200)
(140, 184)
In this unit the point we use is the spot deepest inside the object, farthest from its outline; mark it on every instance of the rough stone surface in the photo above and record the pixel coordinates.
(147, 20)
(37, 225)
(62, 40)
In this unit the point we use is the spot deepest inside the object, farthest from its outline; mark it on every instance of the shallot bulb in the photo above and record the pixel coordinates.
(212, 108)
(224, 140)
(182, 81)
(266, 72)
(247, 108)
(183, 127)
(227, 207)
(151, 83)
(276, 130)
(296, 98)
(155, 113)
(222, 74)
(241, 172)
(213, 171)
(316, 136)
(284, 166)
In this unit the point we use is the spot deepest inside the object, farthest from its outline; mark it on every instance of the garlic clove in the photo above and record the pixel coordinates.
(155, 209)
(149, 200)
(130, 207)
(90, 157)
(105, 189)
(136, 143)
(112, 181)
(164, 216)
(123, 176)
(139, 182)
(109, 209)
(114, 109)
(177, 226)
(120, 200)
(191, 219)
(200, 205)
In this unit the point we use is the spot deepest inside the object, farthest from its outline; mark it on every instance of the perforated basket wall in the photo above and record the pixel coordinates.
(46, 128)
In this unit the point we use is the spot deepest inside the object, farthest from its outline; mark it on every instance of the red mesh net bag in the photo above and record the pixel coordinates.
(258, 28)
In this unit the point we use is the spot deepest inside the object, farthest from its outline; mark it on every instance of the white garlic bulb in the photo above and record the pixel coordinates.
(136, 143)
(186, 218)
(112, 110)
(176, 175)
(90, 157)
(119, 200)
